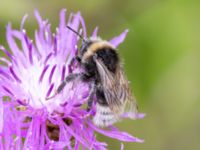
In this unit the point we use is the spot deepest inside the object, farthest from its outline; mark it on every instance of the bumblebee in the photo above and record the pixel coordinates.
(103, 71)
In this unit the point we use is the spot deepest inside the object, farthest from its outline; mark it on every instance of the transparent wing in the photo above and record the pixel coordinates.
(116, 89)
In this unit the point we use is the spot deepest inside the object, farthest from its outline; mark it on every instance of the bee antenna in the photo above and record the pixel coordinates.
(76, 33)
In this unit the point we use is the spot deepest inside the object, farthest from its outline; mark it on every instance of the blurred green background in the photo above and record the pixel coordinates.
(161, 55)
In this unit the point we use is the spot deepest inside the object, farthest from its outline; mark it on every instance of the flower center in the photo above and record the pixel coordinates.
(40, 81)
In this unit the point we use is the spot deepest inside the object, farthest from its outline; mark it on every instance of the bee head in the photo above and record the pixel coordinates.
(85, 42)
(85, 45)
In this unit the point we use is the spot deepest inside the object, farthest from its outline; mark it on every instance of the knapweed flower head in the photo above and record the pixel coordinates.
(30, 72)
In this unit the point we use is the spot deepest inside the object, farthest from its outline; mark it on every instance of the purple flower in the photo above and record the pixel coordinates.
(30, 72)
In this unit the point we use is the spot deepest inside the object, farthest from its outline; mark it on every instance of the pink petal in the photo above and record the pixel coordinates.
(83, 26)
(122, 146)
(23, 21)
(121, 136)
(119, 39)
(94, 34)
(137, 116)
(1, 116)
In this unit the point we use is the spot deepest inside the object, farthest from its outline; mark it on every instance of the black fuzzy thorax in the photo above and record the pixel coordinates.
(110, 59)
(108, 56)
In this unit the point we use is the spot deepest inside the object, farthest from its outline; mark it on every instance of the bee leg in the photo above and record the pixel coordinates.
(69, 78)
(91, 97)
(78, 59)
(73, 76)
(75, 59)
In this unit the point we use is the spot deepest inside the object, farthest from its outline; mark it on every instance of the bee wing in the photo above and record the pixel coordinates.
(116, 89)
(130, 104)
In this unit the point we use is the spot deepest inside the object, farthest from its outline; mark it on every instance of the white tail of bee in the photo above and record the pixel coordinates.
(104, 116)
